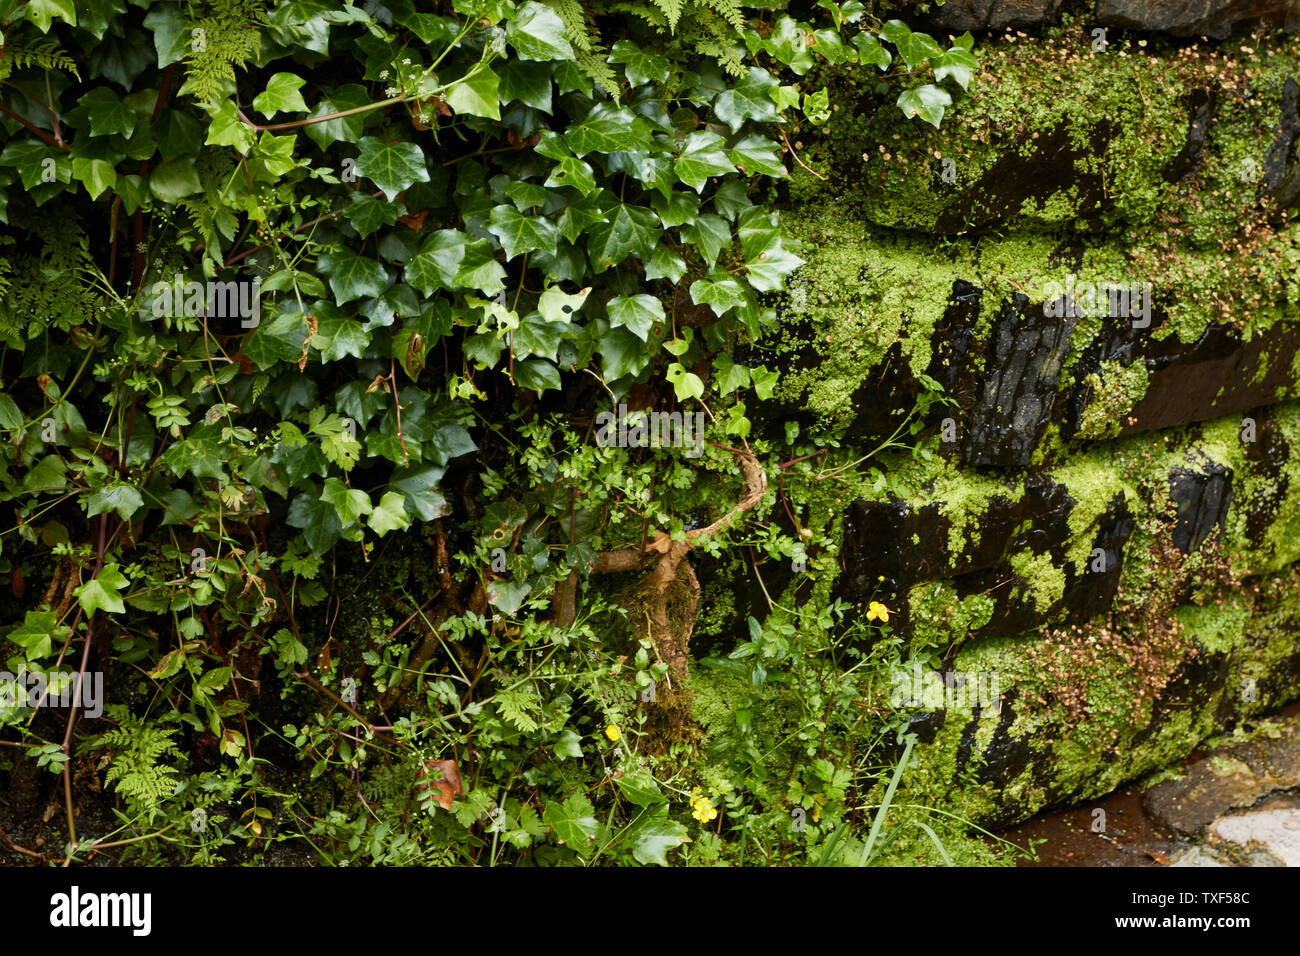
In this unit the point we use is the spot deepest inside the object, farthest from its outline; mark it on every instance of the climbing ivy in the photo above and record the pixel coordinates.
(286, 283)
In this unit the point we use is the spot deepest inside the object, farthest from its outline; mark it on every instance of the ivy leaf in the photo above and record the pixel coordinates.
(702, 156)
(349, 504)
(38, 634)
(871, 53)
(609, 129)
(43, 12)
(639, 64)
(519, 233)
(226, 129)
(95, 174)
(341, 129)
(121, 498)
(173, 181)
(107, 113)
(928, 102)
(719, 295)
(757, 154)
(507, 597)
(685, 384)
(436, 264)
(418, 487)
(389, 514)
(621, 353)
(281, 95)
(318, 522)
(352, 276)
(556, 305)
(571, 171)
(629, 230)
(537, 374)
(367, 214)
(476, 95)
(392, 167)
(100, 592)
(958, 63)
(637, 313)
(479, 268)
(537, 33)
(750, 99)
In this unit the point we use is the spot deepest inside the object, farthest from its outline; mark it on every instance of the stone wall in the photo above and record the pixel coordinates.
(1089, 278)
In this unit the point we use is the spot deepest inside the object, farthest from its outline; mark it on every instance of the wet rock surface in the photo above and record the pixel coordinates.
(1234, 777)
(1216, 19)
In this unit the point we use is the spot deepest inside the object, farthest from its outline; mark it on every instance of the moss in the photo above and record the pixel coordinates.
(939, 618)
(1114, 390)
(1043, 579)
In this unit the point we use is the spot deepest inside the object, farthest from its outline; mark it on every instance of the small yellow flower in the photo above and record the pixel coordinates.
(613, 733)
(877, 610)
(702, 808)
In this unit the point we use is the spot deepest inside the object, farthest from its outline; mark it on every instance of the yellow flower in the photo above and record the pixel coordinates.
(702, 807)
(613, 733)
(877, 610)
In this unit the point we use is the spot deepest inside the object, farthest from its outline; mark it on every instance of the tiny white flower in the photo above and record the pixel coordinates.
(391, 91)
(383, 74)
(406, 62)
(141, 248)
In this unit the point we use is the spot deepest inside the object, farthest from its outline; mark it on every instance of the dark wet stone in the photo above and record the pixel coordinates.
(1219, 374)
(1281, 170)
(1203, 499)
(1014, 401)
(1217, 19)
(1235, 776)
(1091, 592)
(963, 15)
(1268, 455)
(1190, 157)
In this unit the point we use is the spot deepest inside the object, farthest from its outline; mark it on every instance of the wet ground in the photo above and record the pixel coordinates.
(1249, 827)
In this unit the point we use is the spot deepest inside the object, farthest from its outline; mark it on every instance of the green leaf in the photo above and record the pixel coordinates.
(367, 214)
(352, 276)
(226, 129)
(757, 154)
(928, 102)
(95, 174)
(100, 592)
(750, 99)
(573, 822)
(639, 65)
(626, 231)
(389, 514)
(281, 95)
(121, 498)
(436, 264)
(38, 634)
(43, 12)
(537, 374)
(719, 295)
(476, 95)
(655, 837)
(685, 384)
(637, 313)
(537, 33)
(173, 181)
(519, 233)
(556, 305)
(640, 788)
(393, 167)
(479, 268)
(349, 504)
(571, 171)
(871, 53)
(702, 156)
(609, 129)
(621, 354)
(958, 63)
(418, 487)
(108, 114)
(343, 129)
